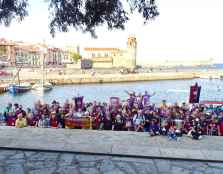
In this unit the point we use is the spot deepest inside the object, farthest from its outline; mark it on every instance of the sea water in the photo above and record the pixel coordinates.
(170, 90)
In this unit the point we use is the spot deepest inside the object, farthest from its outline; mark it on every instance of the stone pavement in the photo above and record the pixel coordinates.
(30, 162)
(131, 144)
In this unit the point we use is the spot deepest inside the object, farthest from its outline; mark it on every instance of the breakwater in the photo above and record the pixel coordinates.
(120, 78)
(105, 78)
(98, 76)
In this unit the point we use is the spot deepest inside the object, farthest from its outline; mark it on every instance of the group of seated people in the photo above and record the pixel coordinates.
(134, 114)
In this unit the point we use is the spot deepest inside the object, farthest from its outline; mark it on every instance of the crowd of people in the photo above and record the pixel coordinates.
(136, 113)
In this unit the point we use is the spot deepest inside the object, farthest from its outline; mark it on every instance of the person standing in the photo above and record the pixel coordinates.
(146, 98)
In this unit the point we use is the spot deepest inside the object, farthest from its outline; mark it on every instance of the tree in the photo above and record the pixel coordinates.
(75, 56)
(83, 15)
(10, 9)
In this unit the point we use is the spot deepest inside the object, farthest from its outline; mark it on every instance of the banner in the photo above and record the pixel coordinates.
(195, 93)
(79, 103)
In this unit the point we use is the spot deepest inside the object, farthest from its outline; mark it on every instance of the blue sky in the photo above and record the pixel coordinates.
(185, 30)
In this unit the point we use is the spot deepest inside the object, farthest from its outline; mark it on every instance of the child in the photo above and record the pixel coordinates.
(172, 133)
(154, 128)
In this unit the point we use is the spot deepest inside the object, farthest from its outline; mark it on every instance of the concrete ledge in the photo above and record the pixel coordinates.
(110, 143)
(107, 78)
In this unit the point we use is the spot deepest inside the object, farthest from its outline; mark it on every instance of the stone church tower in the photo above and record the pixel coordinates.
(114, 57)
(131, 51)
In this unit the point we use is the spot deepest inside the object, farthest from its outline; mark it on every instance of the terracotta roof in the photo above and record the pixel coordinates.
(5, 42)
(28, 48)
(101, 49)
(2, 40)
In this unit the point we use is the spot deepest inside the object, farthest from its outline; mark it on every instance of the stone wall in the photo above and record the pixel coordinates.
(108, 78)
(102, 64)
(77, 76)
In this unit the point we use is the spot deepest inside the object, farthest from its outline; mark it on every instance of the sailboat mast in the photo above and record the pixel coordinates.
(18, 78)
(42, 69)
(18, 71)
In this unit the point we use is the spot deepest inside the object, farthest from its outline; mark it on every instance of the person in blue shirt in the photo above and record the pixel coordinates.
(172, 133)
(154, 128)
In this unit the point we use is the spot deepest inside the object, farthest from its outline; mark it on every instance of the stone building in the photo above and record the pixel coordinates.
(7, 51)
(29, 54)
(113, 57)
(19, 53)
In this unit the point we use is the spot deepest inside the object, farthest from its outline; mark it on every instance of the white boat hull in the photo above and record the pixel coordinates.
(45, 87)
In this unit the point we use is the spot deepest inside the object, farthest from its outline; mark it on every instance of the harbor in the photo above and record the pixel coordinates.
(111, 87)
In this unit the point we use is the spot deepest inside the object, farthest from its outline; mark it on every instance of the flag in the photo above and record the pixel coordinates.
(79, 102)
(195, 91)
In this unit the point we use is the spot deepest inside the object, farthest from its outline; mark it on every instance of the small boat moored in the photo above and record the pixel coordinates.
(43, 87)
(19, 88)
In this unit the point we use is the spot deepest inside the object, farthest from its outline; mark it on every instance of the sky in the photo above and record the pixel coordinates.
(185, 30)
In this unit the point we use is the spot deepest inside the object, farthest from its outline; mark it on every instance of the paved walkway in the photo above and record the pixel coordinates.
(112, 143)
(29, 162)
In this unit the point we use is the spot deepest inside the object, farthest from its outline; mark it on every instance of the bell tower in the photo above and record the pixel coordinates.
(132, 51)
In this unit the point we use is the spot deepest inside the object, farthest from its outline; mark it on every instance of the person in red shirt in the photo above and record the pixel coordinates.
(220, 127)
(53, 120)
(11, 119)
